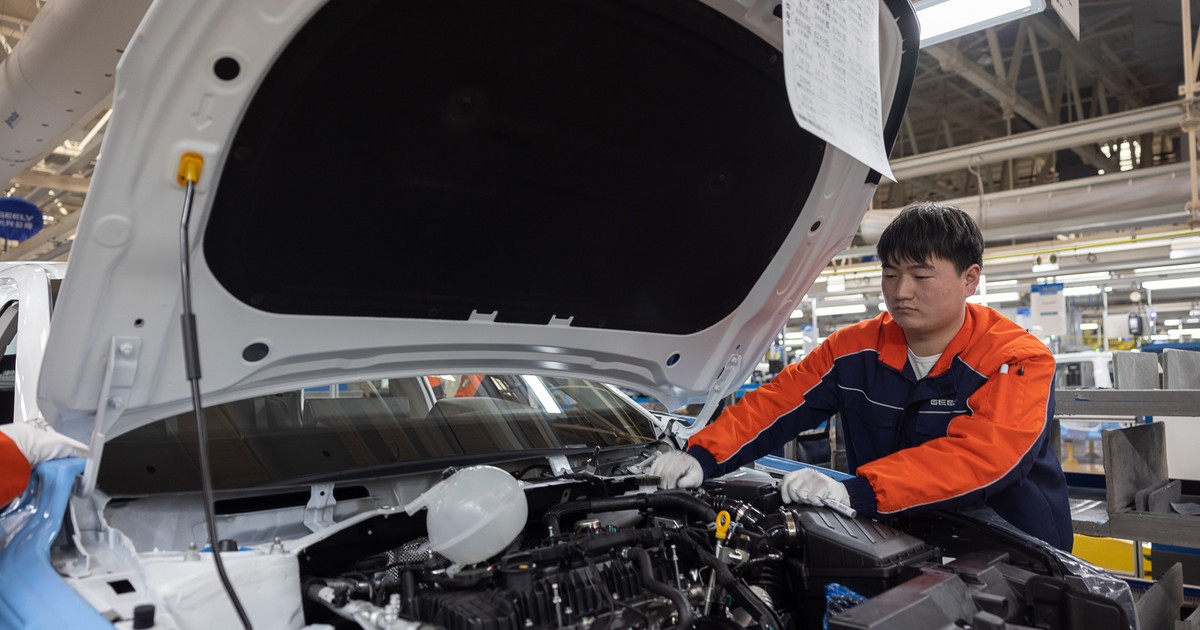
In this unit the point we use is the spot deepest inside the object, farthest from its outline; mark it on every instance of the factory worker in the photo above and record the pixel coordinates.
(943, 403)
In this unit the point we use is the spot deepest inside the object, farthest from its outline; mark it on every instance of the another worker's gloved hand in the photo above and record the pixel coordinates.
(677, 470)
(38, 442)
(809, 486)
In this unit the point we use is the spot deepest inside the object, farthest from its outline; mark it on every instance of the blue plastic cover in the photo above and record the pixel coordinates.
(775, 463)
(32, 593)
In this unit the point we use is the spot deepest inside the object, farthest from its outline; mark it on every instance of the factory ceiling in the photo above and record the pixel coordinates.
(1054, 144)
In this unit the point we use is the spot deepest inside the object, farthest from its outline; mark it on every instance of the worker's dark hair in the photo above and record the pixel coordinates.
(927, 230)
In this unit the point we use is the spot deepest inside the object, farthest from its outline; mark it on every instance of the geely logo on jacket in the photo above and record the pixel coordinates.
(942, 402)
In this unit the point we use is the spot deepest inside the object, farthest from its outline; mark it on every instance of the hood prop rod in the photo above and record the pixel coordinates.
(190, 165)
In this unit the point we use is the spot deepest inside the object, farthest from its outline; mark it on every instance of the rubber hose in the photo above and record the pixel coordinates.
(686, 618)
(640, 502)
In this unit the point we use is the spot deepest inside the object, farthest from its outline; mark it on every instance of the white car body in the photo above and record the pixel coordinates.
(199, 75)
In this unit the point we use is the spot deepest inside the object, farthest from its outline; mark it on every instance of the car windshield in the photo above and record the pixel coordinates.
(412, 423)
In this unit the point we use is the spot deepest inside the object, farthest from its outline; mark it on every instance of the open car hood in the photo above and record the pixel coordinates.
(614, 190)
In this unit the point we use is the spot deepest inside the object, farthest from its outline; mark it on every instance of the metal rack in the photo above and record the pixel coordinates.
(1135, 503)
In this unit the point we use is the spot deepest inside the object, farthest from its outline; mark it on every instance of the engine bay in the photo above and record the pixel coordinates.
(613, 552)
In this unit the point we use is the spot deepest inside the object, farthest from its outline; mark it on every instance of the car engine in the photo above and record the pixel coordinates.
(612, 552)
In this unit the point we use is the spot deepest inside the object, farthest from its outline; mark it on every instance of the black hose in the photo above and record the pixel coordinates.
(766, 558)
(735, 586)
(741, 512)
(640, 502)
(783, 530)
(686, 618)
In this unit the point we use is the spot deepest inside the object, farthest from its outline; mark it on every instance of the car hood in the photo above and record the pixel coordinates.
(613, 190)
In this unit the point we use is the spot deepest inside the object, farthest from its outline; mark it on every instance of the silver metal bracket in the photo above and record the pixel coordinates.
(559, 465)
(318, 514)
(119, 374)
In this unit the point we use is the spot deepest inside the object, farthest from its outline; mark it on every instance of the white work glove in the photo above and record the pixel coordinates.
(677, 470)
(809, 486)
(39, 442)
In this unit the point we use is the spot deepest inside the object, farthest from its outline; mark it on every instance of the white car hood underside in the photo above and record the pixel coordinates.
(116, 345)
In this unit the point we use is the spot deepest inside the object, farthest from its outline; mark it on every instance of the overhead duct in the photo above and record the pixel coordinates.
(62, 68)
(1139, 198)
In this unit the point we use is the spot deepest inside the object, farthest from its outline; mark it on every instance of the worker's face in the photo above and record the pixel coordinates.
(928, 298)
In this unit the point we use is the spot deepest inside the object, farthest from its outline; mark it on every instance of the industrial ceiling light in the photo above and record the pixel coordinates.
(1177, 283)
(946, 19)
(846, 309)
(847, 297)
(994, 298)
(1067, 278)
(1166, 268)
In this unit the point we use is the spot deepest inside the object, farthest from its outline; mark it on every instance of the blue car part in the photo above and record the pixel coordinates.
(32, 593)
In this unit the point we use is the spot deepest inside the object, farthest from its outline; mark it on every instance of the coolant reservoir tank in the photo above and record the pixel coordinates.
(473, 514)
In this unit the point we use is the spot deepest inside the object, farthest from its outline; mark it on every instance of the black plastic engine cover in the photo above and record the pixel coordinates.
(836, 545)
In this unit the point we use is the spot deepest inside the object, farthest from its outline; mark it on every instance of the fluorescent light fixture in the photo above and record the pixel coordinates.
(994, 298)
(882, 306)
(1176, 333)
(1083, 277)
(855, 273)
(1159, 337)
(542, 394)
(798, 313)
(849, 297)
(946, 19)
(1045, 267)
(1166, 268)
(845, 309)
(836, 283)
(1185, 247)
(1177, 283)
(1078, 291)
(1172, 322)
(1089, 326)
(1192, 320)
(1001, 283)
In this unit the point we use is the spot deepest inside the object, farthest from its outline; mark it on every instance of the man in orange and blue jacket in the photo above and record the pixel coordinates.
(24, 445)
(944, 404)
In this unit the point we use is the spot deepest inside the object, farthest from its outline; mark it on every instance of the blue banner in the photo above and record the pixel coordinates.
(19, 219)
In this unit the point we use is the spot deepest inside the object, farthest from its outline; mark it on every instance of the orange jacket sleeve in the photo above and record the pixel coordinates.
(799, 398)
(982, 452)
(14, 470)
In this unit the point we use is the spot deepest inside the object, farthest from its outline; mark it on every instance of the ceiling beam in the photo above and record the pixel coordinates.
(952, 60)
(67, 183)
(1086, 63)
(1083, 132)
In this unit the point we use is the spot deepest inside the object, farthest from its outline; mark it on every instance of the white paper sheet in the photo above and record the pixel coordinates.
(831, 55)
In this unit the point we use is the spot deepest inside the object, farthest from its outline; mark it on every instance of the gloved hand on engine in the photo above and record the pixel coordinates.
(38, 442)
(812, 487)
(677, 470)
